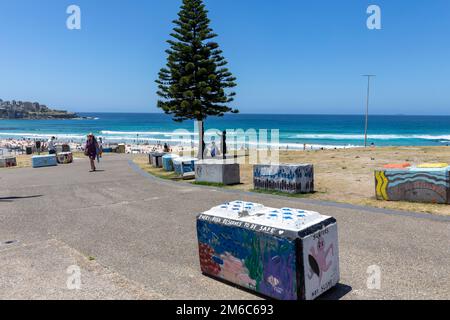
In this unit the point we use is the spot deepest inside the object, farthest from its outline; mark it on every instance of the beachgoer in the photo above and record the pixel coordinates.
(51, 145)
(90, 150)
(99, 148)
(166, 147)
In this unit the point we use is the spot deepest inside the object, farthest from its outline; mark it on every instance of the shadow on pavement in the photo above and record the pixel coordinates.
(336, 293)
(10, 199)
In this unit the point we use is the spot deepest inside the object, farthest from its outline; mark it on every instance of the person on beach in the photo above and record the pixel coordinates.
(90, 150)
(51, 145)
(99, 149)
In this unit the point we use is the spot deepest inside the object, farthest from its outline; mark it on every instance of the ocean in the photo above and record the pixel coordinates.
(328, 131)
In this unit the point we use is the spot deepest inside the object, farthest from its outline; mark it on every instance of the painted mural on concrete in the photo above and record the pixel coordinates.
(167, 161)
(274, 252)
(64, 157)
(184, 165)
(415, 184)
(7, 162)
(43, 161)
(285, 178)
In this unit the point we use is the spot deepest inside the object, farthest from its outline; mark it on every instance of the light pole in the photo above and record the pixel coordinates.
(369, 76)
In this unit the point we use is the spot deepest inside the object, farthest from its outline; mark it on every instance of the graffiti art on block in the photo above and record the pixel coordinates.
(286, 254)
(284, 178)
(7, 162)
(184, 165)
(167, 161)
(415, 184)
(64, 157)
(43, 161)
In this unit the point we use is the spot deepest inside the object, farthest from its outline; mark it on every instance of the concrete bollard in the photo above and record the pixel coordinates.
(44, 161)
(427, 183)
(7, 162)
(289, 178)
(285, 254)
(64, 157)
(225, 172)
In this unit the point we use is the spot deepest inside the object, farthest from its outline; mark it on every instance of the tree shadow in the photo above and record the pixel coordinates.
(11, 199)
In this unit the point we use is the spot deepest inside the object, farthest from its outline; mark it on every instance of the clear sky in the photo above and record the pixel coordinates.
(290, 56)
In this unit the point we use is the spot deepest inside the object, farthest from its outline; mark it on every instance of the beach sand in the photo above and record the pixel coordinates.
(347, 175)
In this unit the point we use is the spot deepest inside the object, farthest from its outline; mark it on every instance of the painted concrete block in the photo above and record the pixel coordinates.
(218, 171)
(43, 161)
(120, 148)
(285, 254)
(168, 161)
(414, 184)
(289, 178)
(7, 162)
(183, 165)
(64, 157)
(156, 159)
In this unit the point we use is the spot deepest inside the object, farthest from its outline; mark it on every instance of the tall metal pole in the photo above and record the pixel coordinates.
(369, 76)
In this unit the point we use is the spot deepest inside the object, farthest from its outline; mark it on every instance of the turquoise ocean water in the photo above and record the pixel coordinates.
(295, 130)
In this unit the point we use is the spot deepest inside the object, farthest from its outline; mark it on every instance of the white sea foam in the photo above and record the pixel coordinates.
(372, 136)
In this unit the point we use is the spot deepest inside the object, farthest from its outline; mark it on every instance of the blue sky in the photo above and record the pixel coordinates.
(290, 56)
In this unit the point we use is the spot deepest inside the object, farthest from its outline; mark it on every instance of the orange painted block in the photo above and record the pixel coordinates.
(397, 165)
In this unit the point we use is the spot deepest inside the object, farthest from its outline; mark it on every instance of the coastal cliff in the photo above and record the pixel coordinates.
(31, 111)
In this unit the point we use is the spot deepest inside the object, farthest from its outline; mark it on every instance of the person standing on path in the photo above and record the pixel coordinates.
(90, 150)
(51, 145)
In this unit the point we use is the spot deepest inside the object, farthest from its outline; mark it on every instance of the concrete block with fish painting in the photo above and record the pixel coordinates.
(285, 254)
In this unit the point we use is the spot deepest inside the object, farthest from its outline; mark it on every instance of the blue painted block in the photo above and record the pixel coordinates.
(289, 178)
(184, 165)
(167, 161)
(44, 161)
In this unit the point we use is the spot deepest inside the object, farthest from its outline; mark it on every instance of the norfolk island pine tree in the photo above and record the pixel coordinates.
(195, 82)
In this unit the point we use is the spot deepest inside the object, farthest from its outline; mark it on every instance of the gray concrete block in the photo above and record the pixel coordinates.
(218, 171)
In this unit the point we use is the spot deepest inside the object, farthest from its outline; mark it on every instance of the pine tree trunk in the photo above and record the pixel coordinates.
(201, 141)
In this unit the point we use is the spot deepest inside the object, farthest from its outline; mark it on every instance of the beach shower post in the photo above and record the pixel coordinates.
(369, 76)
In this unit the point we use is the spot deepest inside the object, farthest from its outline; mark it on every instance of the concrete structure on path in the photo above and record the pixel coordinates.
(64, 157)
(288, 178)
(285, 254)
(225, 172)
(428, 183)
(7, 162)
(44, 161)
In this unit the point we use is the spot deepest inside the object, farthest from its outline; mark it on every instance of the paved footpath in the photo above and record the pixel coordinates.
(134, 237)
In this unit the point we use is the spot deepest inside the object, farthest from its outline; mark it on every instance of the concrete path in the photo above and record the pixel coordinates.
(134, 237)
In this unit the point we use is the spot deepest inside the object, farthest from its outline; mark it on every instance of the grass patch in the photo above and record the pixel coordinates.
(283, 194)
(209, 184)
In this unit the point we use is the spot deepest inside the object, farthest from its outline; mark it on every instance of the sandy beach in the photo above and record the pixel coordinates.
(347, 175)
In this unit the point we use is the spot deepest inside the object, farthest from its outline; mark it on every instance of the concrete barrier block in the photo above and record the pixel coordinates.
(7, 162)
(167, 161)
(285, 254)
(44, 161)
(217, 171)
(64, 157)
(184, 165)
(414, 184)
(156, 159)
(289, 178)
